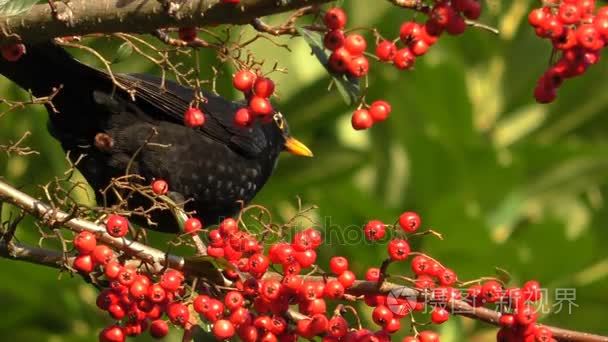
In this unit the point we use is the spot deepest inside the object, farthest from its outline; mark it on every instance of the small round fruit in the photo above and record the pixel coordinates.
(243, 117)
(223, 329)
(117, 226)
(12, 52)
(192, 225)
(409, 221)
(263, 87)
(160, 187)
(159, 328)
(380, 110)
(243, 80)
(362, 119)
(335, 18)
(194, 117)
(85, 242)
(260, 106)
(386, 50)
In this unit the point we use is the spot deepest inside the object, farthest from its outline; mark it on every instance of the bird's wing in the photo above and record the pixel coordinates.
(169, 104)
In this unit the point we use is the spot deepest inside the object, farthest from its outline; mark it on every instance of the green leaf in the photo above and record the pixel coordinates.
(13, 7)
(124, 51)
(348, 87)
(502, 274)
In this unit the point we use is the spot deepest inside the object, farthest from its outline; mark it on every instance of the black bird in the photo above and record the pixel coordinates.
(216, 165)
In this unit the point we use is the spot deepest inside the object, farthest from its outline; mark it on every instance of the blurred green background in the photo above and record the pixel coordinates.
(508, 182)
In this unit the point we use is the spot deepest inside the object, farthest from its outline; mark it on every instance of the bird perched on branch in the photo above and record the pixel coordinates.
(219, 165)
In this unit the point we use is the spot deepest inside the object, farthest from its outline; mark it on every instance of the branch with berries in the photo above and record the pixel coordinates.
(140, 284)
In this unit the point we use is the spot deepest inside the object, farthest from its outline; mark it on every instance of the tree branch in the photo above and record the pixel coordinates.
(81, 17)
(159, 260)
(42, 211)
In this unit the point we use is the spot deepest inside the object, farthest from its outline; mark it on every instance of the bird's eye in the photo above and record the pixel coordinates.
(278, 119)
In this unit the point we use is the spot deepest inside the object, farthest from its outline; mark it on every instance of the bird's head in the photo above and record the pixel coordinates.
(290, 144)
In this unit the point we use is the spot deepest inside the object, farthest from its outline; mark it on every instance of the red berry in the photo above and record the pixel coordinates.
(338, 265)
(362, 119)
(243, 117)
(410, 31)
(338, 60)
(404, 59)
(532, 290)
(334, 289)
(192, 225)
(117, 226)
(355, 44)
(228, 227)
(409, 221)
(537, 17)
(259, 263)
(374, 230)
(84, 263)
(138, 290)
(178, 313)
(85, 242)
(589, 37)
(398, 249)
(447, 277)
(491, 291)
(156, 293)
(335, 18)
(419, 47)
(187, 34)
(472, 9)
(506, 320)
(223, 329)
(386, 50)
(194, 117)
(243, 80)
(337, 327)
(379, 110)
(160, 187)
(263, 87)
(314, 236)
(420, 264)
(159, 328)
(525, 315)
(372, 274)
(347, 278)
(456, 25)
(260, 106)
(428, 336)
(569, 13)
(103, 254)
(171, 280)
(358, 66)
(382, 314)
(12, 52)
(233, 300)
(306, 258)
(333, 39)
(112, 269)
(112, 334)
(439, 315)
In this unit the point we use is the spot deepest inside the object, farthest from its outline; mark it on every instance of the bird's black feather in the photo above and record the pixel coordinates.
(217, 166)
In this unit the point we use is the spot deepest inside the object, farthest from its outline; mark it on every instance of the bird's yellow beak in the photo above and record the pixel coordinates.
(297, 148)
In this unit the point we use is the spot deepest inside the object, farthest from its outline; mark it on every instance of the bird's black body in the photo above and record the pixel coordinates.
(216, 165)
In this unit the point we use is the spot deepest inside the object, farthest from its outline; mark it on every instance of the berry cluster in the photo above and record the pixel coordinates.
(257, 90)
(444, 16)
(577, 32)
(347, 57)
(259, 304)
